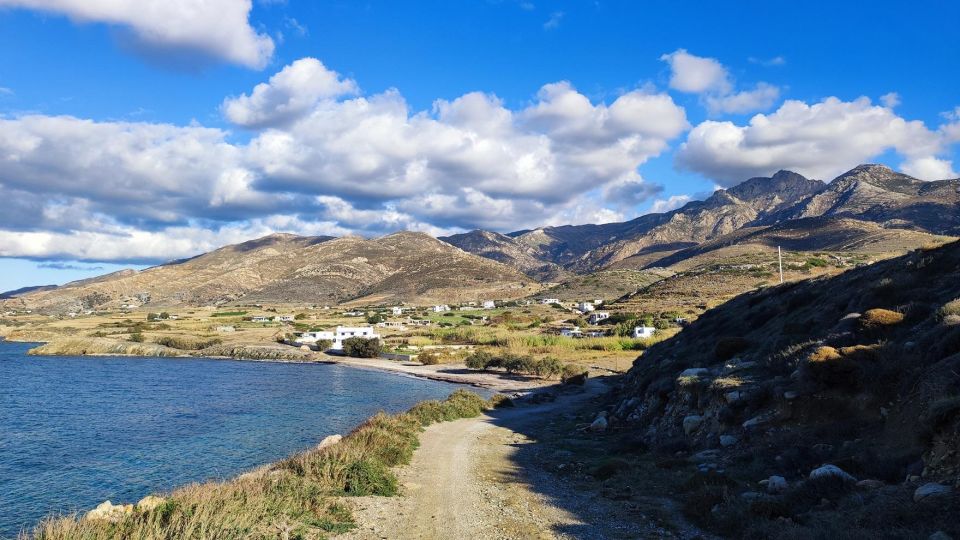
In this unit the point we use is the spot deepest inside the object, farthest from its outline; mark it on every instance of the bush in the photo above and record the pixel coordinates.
(515, 363)
(479, 360)
(370, 477)
(548, 367)
(375, 318)
(429, 358)
(186, 343)
(359, 347)
(136, 337)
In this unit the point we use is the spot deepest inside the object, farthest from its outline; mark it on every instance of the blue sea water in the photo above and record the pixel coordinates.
(75, 431)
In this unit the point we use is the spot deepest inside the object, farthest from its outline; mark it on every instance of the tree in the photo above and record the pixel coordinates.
(359, 347)
(375, 318)
(164, 315)
(479, 360)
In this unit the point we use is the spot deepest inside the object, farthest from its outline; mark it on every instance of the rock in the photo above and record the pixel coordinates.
(329, 440)
(790, 395)
(738, 365)
(695, 372)
(728, 440)
(600, 424)
(939, 535)
(691, 423)
(751, 495)
(705, 456)
(149, 502)
(831, 471)
(776, 484)
(733, 397)
(755, 421)
(107, 511)
(931, 490)
(870, 484)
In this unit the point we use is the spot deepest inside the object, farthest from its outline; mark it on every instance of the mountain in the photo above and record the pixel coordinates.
(508, 250)
(878, 194)
(284, 268)
(870, 193)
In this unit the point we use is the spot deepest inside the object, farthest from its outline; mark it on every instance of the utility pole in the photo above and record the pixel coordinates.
(780, 263)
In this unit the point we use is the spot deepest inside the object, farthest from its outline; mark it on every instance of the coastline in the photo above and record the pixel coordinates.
(449, 373)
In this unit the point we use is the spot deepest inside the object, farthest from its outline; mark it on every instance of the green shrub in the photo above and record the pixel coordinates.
(370, 477)
(136, 337)
(478, 360)
(359, 347)
(430, 358)
(187, 343)
(548, 367)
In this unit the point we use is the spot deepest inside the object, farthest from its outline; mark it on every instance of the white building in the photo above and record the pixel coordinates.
(585, 307)
(489, 304)
(259, 318)
(550, 301)
(571, 332)
(283, 318)
(598, 316)
(441, 308)
(643, 332)
(396, 310)
(337, 337)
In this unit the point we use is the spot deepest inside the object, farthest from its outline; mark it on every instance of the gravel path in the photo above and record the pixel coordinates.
(467, 480)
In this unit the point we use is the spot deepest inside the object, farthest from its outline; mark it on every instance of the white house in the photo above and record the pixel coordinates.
(585, 307)
(259, 318)
(598, 316)
(489, 304)
(643, 332)
(338, 336)
(550, 301)
(283, 318)
(396, 310)
(571, 332)
(441, 308)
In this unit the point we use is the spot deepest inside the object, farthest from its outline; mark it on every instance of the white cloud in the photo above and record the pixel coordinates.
(554, 20)
(930, 168)
(820, 141)
(768, 62)
(5, 91)
(709, 78)
(696, 74)
(760, 98)
(289, 94)
(671, 203)
(890, 100)
(219, 28)
(323, 159)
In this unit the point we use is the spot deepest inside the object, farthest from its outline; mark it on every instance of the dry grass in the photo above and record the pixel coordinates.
(295, 498)
(879, 318)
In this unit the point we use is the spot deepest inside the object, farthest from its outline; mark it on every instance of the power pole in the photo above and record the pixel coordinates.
(780, 263)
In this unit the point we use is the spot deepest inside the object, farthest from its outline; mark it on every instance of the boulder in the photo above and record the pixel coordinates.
(728, 440)
(107, 511)
(329, 440)
(939, 535)
(695, 372)
(691, 423)
(149, 502)
(931, 490)
(776, 484)
(755, 421)
(600, 424)
(831, 471)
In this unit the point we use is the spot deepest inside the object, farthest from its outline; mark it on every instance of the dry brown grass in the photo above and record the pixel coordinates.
(878, 318)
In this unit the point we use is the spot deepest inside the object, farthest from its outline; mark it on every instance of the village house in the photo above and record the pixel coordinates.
(546, 301)
(441, 308)
(226, 328)
(396, 325)
(396, 310)
(338, 336)
(574, 332)
(419, 322)
(643, 332)
(585, 307)
(283, 318)
(598, 316)
(260, 319)
(489, 304)
(595, 333)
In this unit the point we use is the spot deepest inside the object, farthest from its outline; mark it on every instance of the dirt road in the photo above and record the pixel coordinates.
(469, 480)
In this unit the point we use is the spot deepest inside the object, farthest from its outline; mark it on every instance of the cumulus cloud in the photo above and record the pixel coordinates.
(288, 94)
(323, 158)
(890, 100)
(696, 74)
(760, 98)
(709, 78)
(218, 28)
(820, 140)
(670, 203)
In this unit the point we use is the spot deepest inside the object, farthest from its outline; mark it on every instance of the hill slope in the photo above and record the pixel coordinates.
(861, 371)
(408, 267)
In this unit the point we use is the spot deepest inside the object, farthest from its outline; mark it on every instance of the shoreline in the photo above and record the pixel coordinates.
(493, 381)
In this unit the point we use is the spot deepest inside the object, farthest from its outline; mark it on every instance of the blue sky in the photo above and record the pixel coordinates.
(129, 137)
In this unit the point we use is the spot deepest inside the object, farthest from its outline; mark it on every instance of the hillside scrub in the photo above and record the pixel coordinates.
(858, 370)
(295, 498)
(187, 343)
(545, 368)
